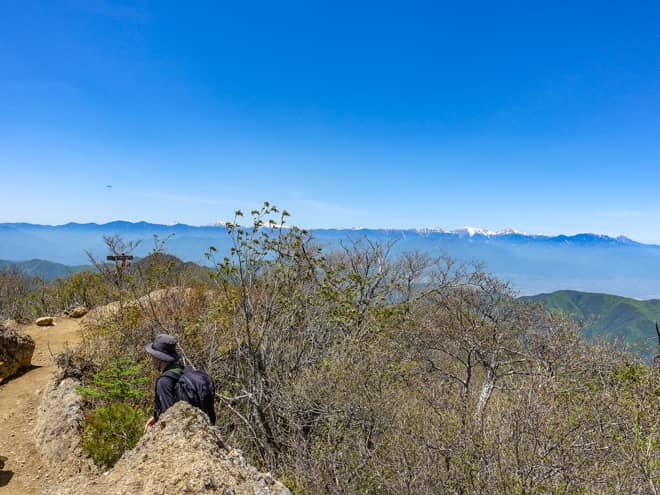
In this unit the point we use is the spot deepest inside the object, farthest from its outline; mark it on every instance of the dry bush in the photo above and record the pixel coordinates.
(16, 295)
(351, 372)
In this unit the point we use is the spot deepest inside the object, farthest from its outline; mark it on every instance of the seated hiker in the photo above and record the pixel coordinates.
(177, 383)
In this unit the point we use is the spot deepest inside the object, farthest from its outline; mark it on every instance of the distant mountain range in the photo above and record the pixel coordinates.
(629, 320)
(42, 268)
(532, 263)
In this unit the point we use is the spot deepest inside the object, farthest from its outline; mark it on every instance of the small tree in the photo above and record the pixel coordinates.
(115, 423)
(16, 289)
(115, 274)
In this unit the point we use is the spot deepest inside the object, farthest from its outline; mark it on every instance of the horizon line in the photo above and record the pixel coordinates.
(470, 231)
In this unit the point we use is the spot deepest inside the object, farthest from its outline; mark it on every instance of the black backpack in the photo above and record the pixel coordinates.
(197, 389)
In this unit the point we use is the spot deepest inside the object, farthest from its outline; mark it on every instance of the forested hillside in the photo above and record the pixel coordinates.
(47, 270)
(531, 263)
(630, 321)
(352, 371)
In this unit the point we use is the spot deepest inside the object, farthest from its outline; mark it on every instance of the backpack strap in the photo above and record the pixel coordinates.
(175, 373)
(185, 378)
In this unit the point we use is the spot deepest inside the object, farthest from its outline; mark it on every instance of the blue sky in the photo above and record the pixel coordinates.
(541, 116)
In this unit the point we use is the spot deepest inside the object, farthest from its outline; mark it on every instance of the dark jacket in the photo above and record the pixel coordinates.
(165, 394)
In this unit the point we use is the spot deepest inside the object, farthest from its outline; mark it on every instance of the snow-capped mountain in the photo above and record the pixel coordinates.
(533, 263)
(471, 231)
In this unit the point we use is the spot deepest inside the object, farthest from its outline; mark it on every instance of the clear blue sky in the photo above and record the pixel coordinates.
(541, 116)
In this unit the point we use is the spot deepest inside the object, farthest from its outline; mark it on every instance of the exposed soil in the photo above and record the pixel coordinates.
(24, 471)
(181, 453)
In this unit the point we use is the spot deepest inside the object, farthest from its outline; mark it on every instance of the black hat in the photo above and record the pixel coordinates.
(164, 348)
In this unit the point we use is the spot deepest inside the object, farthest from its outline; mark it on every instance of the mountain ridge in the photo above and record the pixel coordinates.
(469, 231)
(608, 316)
(603, 315)
(46, 269)
(532, 263)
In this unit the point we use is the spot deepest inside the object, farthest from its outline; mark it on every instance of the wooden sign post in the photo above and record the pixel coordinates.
(124, 258)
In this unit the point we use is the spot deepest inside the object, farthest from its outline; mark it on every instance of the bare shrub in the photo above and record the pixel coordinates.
(355, 372)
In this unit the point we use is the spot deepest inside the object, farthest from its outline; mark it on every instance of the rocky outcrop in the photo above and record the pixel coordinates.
(78, 312)
(16, 349)
(59, 423)
(182, 453)
(45, 321)
(149, 302)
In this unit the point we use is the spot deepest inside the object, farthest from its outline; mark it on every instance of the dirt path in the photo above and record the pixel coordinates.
(24, 473)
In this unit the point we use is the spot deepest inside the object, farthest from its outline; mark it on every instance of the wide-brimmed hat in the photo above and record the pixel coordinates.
(163, 347)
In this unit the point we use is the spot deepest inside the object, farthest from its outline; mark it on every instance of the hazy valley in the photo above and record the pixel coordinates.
(533, 264)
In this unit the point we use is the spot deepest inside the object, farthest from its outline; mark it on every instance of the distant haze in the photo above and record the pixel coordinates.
(532, 263)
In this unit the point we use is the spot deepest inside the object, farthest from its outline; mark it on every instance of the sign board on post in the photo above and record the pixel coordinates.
(120, 257)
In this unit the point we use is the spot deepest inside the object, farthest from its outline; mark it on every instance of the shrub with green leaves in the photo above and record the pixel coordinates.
(116, 420)
(111, 430)
(118, 380)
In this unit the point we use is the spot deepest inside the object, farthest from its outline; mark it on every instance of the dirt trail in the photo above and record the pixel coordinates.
(24, 472)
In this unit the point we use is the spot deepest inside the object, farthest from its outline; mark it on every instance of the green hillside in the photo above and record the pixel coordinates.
(604, 315)
(48, 270)
(174, 270)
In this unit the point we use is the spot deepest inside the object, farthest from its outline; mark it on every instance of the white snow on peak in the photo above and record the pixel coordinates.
(465, 231)
(472, 231)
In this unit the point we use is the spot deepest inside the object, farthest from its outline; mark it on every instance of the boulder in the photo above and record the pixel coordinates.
(16, 350)
(78, 312)
(57, 432)
(181, 453)
(45, 321)
(59, 422)
(156, 300)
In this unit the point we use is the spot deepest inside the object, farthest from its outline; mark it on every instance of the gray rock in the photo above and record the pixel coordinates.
(181, 453)
(59, 422)
(78, 312)
(16, 349)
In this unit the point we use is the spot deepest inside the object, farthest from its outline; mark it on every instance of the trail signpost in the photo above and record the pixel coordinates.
(124, 258)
